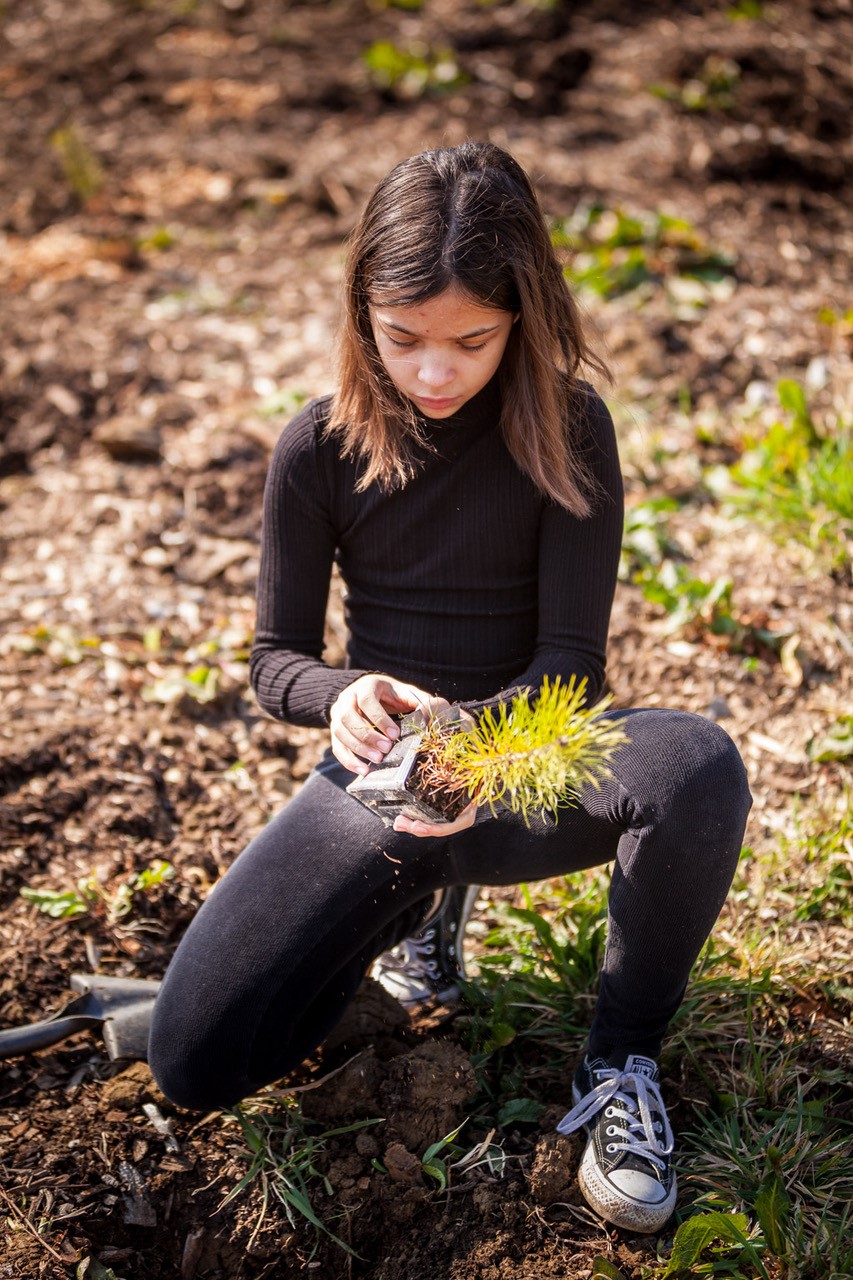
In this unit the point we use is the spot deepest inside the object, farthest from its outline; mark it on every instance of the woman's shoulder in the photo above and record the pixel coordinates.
(305, 430)
(584, 403)
(300, 454)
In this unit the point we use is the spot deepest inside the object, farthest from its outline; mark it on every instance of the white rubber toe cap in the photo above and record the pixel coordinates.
(639, 1186)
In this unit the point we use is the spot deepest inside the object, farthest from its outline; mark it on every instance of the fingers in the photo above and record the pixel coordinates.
(355, 740)
(417, 827)
(361, 718)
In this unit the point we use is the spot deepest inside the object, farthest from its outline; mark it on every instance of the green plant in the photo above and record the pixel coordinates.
(282, 402)
(282, 1157)
(530, 1005)
(414, 71)
(808, 874)
(712, 88)
(699, 1234)
(646, 540)
(797, 479)
(82, 171)
(744, 10)
(90, 895)
(835, 744)
(614, 252)
(532, 756)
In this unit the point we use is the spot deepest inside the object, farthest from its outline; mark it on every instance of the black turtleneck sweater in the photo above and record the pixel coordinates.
(466, 582)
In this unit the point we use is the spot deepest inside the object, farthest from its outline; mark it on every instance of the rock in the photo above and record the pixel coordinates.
(129, 440)
(552, 1174)
(402, 1165)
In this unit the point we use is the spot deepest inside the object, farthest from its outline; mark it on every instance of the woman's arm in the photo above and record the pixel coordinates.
(298, 542)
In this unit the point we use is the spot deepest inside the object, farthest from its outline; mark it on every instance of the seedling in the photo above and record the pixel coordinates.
(89, 895)
(533, 757)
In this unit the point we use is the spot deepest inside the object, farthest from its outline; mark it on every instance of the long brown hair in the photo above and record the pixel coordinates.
(466, 216)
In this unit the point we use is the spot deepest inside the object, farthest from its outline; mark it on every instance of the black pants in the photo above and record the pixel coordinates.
(276, 953)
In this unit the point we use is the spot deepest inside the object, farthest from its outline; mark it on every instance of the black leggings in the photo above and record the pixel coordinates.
(276, 953)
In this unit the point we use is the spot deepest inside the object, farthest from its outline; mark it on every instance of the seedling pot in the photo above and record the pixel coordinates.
(393, 787)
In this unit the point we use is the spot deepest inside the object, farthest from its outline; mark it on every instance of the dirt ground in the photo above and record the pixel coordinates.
(177, 181)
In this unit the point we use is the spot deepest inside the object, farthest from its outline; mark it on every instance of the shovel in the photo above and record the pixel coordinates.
(120, 1008)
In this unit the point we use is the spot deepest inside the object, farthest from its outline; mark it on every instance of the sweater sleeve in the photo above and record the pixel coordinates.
(298, 542)
(578, 565)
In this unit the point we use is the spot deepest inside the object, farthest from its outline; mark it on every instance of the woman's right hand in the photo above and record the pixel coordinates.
(361, 723)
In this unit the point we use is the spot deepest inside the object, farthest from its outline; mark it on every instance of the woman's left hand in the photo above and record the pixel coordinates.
(417, 827)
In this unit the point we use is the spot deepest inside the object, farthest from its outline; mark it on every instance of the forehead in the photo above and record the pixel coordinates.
(450, 313)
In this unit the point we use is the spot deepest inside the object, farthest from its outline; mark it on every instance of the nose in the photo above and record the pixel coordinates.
(436, 371)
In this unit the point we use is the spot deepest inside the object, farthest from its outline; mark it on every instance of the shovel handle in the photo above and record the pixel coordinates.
(40, 1035)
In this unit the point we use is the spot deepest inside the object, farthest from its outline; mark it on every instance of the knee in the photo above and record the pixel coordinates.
(191, 1073)
(720, 766)
(712, 774)
(687, 764)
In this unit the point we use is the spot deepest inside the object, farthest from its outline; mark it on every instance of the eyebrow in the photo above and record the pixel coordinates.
(475, 333)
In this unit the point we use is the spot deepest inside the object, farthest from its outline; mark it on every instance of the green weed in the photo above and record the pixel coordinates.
(284, 402)
(775, 1150)
(647, 540)
(282, 1157)
(614, 252)
(798, 479)
(807, 875)
(82, 171)
(412, 72)
(714, 86)
(198, 671)
(90, 897)
(835, 744)
(529, 1008)
(652, 560)
(744, 10)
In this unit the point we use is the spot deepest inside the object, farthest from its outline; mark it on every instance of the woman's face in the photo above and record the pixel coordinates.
(440, 353)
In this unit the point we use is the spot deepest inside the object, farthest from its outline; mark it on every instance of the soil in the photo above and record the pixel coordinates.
(422, 783)
(177, 181)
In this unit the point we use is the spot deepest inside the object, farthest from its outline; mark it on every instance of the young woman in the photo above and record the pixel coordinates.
(467, 484)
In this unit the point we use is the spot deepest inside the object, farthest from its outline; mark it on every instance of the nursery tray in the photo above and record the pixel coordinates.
(384, 789)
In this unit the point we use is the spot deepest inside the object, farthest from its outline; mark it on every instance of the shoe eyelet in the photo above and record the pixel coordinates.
(609, 1112)
(610, 1148)
(612, 1131)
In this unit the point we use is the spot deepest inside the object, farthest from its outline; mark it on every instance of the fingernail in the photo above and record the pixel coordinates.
(375, 756)
(393, 732)
(385, 744)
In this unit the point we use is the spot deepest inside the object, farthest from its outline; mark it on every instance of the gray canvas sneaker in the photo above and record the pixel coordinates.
(429, 964)
(626, 1173)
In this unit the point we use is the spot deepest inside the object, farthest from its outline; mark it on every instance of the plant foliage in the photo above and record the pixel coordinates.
(534, 755)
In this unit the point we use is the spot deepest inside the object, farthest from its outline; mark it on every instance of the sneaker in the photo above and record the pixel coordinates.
(626, 1173)
(429, 964)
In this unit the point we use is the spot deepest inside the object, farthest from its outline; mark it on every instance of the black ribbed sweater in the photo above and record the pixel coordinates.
(466, 581)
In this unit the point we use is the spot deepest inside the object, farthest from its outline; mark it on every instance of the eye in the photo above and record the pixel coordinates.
(394, 343)
(478, 347)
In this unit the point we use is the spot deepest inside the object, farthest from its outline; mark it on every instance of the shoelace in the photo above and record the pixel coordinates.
(412, 957)
(644, 1136)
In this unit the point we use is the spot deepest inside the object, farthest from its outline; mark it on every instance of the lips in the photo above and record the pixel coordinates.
(444, 403)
